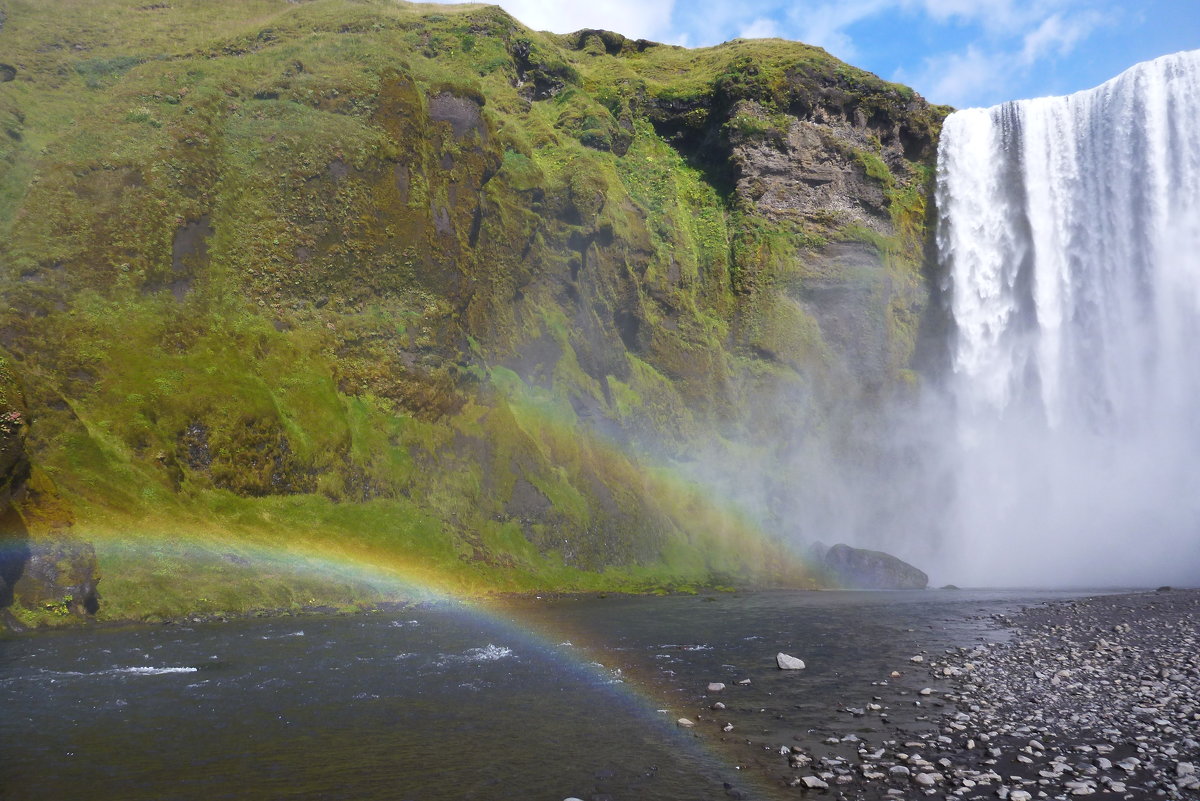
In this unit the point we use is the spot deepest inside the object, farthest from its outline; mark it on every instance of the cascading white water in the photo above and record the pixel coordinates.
(1069, 228)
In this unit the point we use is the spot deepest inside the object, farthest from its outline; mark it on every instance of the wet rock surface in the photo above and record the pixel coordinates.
(1094, 697)
(859, 568)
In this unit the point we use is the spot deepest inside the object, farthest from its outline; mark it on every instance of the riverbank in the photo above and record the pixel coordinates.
(13, 625)
(192, 569)
(1097, 696)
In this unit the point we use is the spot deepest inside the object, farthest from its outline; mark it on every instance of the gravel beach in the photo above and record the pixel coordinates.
(1092, 697)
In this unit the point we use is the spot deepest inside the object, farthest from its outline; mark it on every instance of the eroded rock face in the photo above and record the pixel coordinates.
(809, 169)
(837, 173)
(861, 569)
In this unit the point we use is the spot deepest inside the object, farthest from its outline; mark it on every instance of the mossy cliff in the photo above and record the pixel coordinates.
(417, 286)
(46, 574)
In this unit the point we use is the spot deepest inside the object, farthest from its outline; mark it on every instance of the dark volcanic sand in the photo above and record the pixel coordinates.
(1093, 697)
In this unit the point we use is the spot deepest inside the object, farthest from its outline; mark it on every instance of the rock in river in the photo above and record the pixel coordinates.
(860, 569)
(786, 662)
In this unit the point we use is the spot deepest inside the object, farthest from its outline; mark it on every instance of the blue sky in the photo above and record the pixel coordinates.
(960, 52)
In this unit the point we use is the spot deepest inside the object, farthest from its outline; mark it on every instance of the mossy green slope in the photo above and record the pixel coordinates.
(359, 280)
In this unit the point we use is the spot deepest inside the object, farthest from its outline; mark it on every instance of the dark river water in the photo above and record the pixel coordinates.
(526, 699)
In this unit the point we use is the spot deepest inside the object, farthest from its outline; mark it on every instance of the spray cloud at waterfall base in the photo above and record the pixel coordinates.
(1069, 234)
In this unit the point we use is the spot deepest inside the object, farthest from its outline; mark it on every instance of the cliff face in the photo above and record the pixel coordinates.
(423, 283)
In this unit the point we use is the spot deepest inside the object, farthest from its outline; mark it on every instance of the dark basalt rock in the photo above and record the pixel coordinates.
(860, 569)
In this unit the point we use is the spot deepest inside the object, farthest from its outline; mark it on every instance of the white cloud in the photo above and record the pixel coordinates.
(824, 25)
(709, 22)
(991, 69)
(639, 19)
(1058, 35)
(760, 28)
(956, 78)
(994, 15)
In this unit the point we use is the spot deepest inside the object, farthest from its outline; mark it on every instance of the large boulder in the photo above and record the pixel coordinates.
(861, 569)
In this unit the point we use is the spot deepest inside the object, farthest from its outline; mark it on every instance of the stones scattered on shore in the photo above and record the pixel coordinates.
(1097, 697)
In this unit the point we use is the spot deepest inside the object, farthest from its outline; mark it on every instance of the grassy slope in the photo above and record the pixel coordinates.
(418, 333)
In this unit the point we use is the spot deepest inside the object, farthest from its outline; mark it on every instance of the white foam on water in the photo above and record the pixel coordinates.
(149, 671)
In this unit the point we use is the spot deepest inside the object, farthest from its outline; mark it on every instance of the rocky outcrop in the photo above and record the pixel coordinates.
(861, 569)
(46, 574)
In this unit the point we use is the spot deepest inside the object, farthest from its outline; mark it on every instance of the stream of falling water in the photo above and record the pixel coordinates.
(1069, 228)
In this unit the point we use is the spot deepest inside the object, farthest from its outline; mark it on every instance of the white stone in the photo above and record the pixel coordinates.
(786, 662)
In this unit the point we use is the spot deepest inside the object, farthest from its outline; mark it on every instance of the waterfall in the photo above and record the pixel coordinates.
(1069, 233)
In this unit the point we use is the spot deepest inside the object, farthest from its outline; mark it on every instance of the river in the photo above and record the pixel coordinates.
(526, 698)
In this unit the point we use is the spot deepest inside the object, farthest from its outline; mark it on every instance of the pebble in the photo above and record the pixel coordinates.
(685, 723)
(715, 686)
